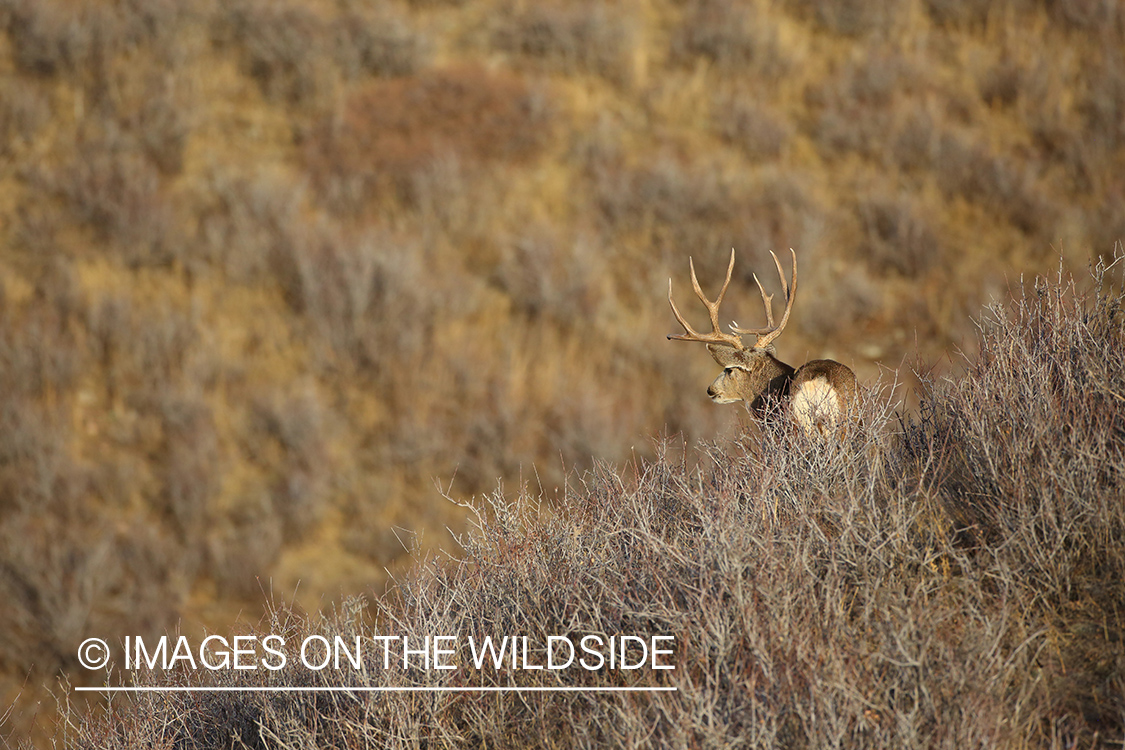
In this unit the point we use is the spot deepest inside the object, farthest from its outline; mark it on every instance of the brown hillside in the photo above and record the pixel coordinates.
(270, 268)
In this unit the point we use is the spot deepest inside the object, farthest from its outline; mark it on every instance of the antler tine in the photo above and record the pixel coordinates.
(716, 336)
(712, 307)
(767, 302)
(718, 300)
(770, 332)
(680, 318)
(790, 289)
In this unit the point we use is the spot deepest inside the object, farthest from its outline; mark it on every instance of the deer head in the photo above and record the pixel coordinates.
(749, 373)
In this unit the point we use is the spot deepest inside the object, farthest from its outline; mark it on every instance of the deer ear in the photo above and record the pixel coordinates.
(728, 356)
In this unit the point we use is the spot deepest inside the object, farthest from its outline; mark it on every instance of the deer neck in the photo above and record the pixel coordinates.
(769, 371)
(770, 380)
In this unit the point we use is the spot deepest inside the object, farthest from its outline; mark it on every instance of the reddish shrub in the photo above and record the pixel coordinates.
(391, 128)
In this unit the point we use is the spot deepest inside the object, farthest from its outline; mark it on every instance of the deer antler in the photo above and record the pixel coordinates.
(716, 336)
(770, 332)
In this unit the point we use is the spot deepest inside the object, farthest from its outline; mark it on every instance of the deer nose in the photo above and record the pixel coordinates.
(711, 391)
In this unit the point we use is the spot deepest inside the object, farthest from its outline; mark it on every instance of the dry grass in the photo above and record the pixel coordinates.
(568, 38)
(268, 268)
(948, 580)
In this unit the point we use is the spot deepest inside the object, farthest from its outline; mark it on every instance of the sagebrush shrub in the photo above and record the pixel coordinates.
(944, 580)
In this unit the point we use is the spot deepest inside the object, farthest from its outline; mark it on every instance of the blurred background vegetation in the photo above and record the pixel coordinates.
(270, 268)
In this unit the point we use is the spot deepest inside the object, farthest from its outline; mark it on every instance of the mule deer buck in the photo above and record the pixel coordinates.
(820, 393)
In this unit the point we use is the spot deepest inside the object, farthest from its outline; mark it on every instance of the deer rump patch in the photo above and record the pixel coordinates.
(815, 404)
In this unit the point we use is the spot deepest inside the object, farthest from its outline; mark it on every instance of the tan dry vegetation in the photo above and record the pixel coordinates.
(270, 267)
(950, 578)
